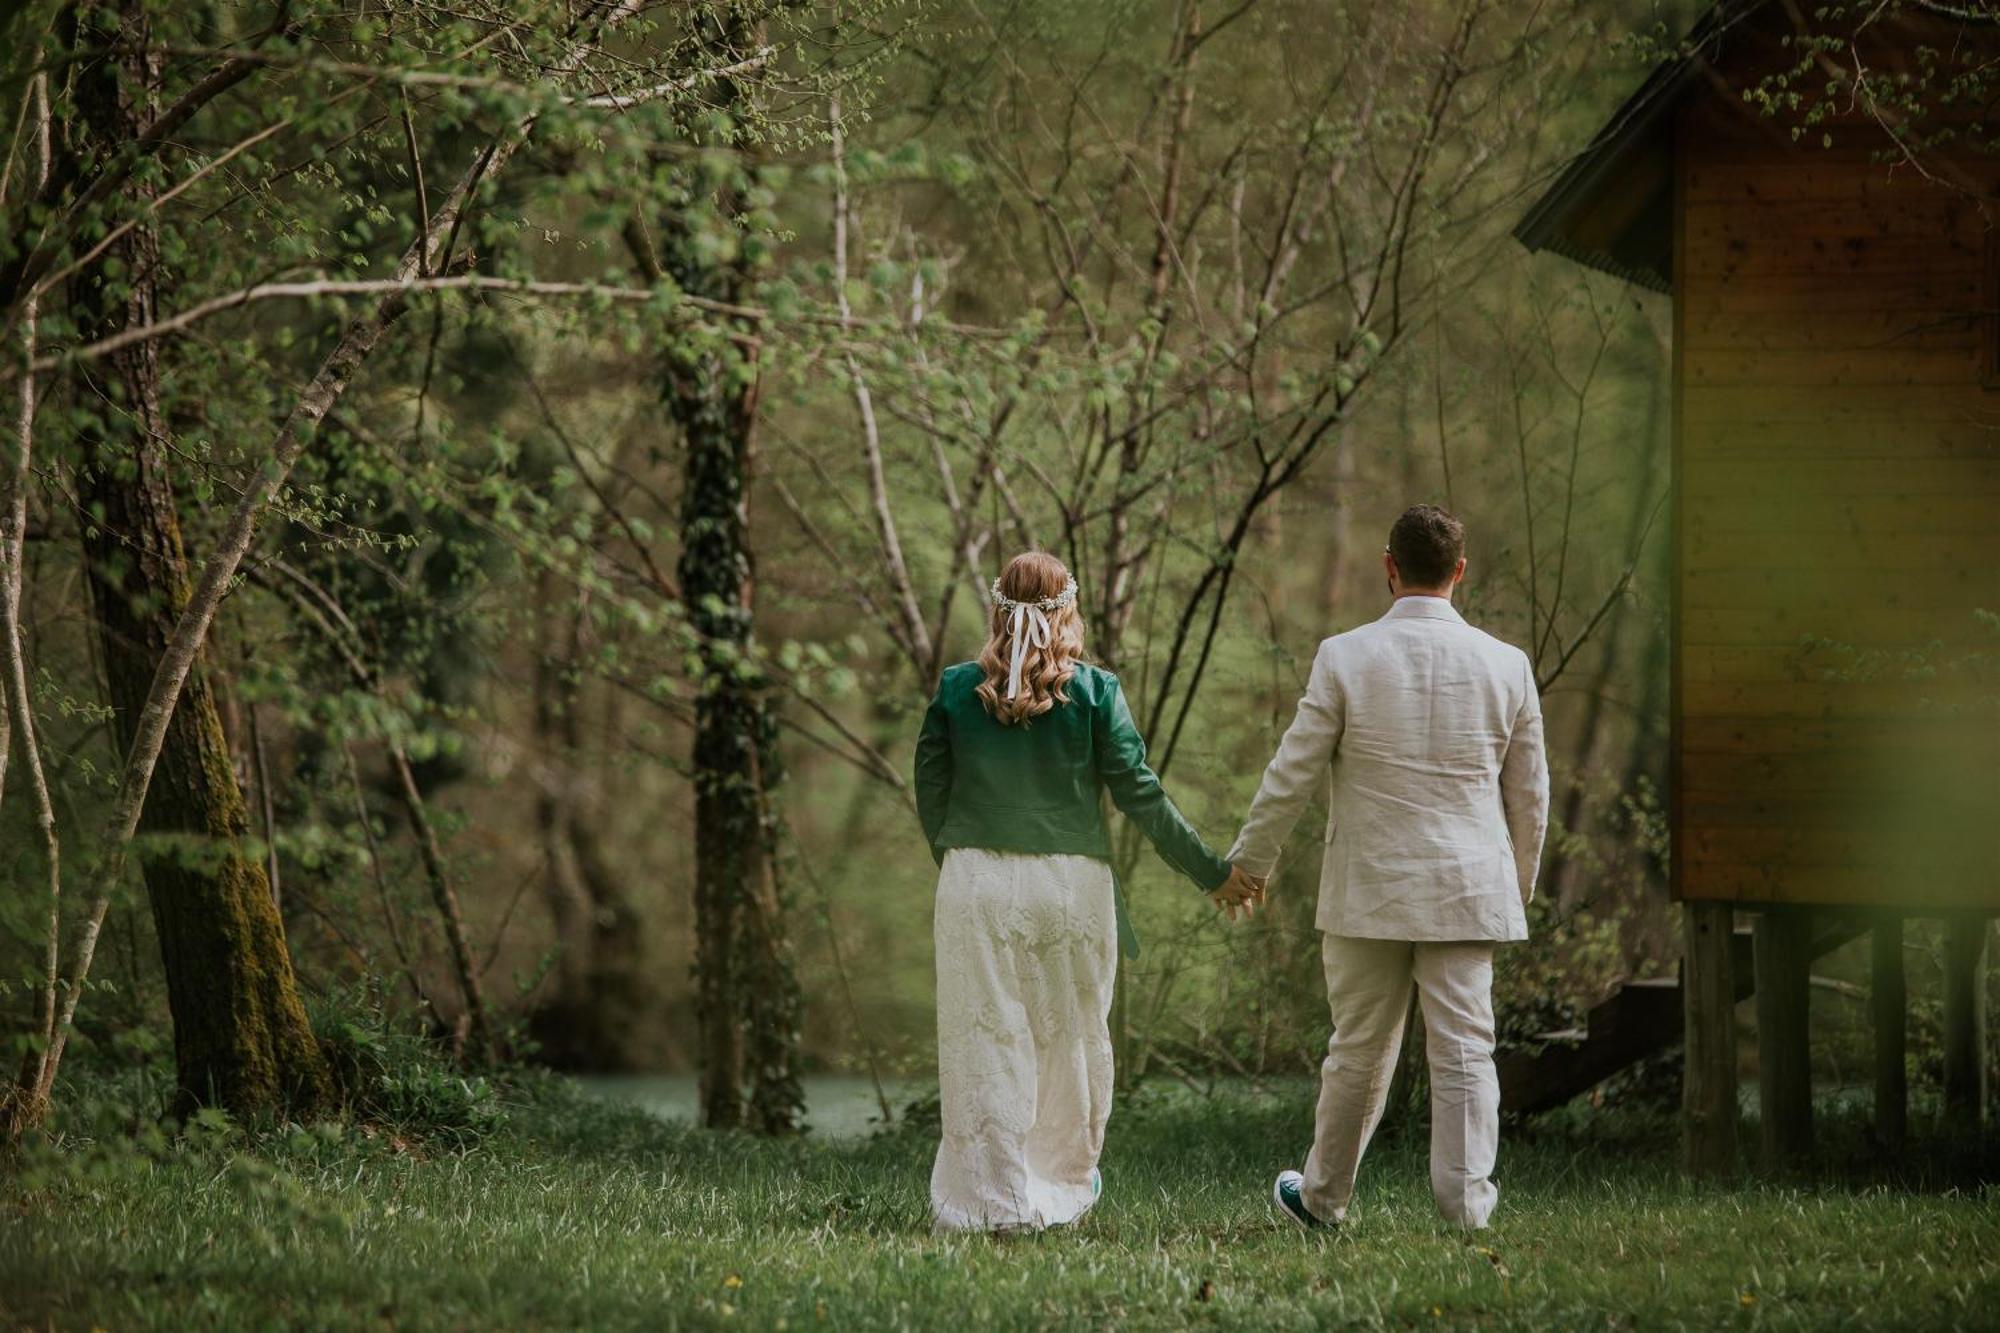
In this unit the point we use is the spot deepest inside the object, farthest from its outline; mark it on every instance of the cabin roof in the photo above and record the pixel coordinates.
(1611, 208)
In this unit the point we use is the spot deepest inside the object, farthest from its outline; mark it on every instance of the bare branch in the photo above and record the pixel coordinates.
(398, 289)
(18, 716)
(914, 634)
(638, 96)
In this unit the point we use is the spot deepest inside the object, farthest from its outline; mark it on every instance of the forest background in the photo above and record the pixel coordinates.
(576, 435)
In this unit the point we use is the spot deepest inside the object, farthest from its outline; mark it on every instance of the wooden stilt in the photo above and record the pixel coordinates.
(1784, 1064)
(1965, 1020)
(1708, 1089)
(1888, 998)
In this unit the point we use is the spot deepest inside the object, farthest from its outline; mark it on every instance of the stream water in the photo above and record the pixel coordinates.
(837, 1106)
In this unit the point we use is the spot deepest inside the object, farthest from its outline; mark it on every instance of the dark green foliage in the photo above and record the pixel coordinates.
(397, 1080)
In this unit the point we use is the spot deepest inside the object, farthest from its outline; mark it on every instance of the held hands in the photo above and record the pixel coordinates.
(1240, 895)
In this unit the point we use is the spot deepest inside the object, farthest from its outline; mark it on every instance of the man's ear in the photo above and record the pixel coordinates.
(1389, 567)
(1458, 573)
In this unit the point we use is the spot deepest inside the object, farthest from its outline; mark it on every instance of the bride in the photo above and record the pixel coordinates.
(1014, 753)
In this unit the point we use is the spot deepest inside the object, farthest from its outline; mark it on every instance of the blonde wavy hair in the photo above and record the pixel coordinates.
(1030, 578)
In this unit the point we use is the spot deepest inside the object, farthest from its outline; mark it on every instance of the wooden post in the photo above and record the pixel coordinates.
(1708, 1087)
(1888, 997)
(1784, 1064)
(1965, 1020)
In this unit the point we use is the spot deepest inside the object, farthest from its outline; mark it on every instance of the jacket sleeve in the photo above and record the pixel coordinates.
(1524, 785)
(933, 772)
(1136, 791)
(1303, 757)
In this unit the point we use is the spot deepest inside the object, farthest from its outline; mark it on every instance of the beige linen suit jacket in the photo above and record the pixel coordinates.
(1432, 732)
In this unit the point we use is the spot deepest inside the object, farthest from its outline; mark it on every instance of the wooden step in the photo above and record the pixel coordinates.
(1640, 1018)
(1647, 1010)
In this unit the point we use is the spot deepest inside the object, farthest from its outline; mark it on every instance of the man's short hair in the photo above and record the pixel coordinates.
(1427, 544)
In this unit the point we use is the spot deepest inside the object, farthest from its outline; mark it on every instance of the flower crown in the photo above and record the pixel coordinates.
(1067, 597)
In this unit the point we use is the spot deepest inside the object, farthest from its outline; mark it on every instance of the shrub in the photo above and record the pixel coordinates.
(399, 1078)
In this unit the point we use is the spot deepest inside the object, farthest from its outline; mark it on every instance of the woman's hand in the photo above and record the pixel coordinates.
(1240, 895)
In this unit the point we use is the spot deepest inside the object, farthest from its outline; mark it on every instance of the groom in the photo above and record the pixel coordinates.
(1431, 731)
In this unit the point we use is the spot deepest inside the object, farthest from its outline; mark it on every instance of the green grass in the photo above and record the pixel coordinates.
(575, 1214)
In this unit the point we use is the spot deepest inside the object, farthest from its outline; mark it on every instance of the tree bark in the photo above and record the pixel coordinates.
(773, 1005)
(601, 982)
(746, 993)
(241, 1039)
(740, 969)
(562, 880)
(728, 833)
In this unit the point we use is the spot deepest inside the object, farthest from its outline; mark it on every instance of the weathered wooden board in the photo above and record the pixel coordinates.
(1749, 484)
(1892, 511)
(1722, 326)
(1729, 879)
(1916, 406)
(1966, 434)
(1871, 629)
(1948, 290)
(1816, 367)
(1758, 251)
(1719, 175)
(1950, 590)
(1838, 478)
(1819, 775)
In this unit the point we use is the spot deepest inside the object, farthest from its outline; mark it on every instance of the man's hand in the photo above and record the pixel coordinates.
(1240, 895)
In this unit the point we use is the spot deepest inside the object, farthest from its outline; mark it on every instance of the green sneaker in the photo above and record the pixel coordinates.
(1291, 1206)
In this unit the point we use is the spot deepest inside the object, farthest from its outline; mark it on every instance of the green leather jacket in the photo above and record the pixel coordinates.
(1034, 786)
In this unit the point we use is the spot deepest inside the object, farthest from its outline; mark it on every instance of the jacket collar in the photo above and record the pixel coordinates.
(1423, 608)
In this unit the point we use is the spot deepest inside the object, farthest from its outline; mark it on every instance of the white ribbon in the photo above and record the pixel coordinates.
(1027, 625)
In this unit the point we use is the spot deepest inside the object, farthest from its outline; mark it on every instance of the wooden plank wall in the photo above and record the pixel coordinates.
(1839, 481)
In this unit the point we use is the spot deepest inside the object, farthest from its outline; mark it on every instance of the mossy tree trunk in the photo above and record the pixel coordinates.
(747, 996)
(773, 1006)
(747, 1000)
(241, 1038)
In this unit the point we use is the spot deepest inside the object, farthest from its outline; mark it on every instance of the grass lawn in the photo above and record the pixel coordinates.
(576, 1214)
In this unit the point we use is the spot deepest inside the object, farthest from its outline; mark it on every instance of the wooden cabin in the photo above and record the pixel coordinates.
(1835, 760)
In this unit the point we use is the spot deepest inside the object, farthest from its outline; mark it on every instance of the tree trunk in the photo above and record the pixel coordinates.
(747, 998)
(729, 713)
(742, 966)
(562, 882)
(601, 985)
(241, 1038)
(773, 1005)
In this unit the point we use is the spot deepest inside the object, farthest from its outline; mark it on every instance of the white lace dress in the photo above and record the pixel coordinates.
(1027, 950)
